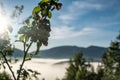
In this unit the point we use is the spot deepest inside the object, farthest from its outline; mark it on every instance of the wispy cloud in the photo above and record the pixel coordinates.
(84, 5)
(65, 32)
(77, 8)
(67, 17)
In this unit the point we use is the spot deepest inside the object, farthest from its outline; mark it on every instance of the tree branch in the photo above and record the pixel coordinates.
(25, 53)
(6, 61)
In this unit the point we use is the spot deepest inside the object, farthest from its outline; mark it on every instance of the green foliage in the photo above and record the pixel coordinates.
(49, 14)
(36, 29)
(17, 11)
(79, 69)
(38, 47)
(5, 46)
(111, 61)
(45, 6)
(36, 9)
(5, 76)
(28, 74)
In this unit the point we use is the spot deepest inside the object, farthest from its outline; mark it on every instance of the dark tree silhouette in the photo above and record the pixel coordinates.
(111, 61)
(79, 69)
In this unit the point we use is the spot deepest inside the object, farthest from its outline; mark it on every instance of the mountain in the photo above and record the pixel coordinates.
(67, 52)
(59, 52)
(94, 52)
(17, 53)
(90, 53)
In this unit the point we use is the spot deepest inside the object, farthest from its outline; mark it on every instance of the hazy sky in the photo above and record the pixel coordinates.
(79, 22)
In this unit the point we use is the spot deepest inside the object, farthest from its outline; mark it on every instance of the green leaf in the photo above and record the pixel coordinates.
(36, 10)
(22, 30)
(49, 14)
(45, 0)
(31, 55)
(26, 38)
(27, 21)
(30, 70)
(39, 44)
(22, 37)
(44, 12)
(17, 41)
(27, 57)
(56, 0)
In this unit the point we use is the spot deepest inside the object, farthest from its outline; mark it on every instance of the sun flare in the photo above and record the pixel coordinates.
(4, 22)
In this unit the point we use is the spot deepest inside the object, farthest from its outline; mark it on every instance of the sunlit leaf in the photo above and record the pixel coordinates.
(27, 57)
(22, 37)
(56, 0)
(36, 10)
(44, 12)
(26, 38)
(45, 0)
(27, 22)
(38, 47)
(49, 14)
(21, 30)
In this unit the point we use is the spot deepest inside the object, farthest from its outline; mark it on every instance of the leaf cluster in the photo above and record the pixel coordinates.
(36, 29)
(5, 76)
(28, 74)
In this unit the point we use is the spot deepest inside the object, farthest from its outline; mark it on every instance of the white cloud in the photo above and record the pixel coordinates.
(78, 8)
(70, 32)
(66, 17)
(85, 6)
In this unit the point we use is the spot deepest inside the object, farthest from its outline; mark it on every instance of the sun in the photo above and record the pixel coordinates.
(4, 22)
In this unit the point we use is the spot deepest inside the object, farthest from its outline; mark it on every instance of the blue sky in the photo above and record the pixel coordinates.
(79, 22)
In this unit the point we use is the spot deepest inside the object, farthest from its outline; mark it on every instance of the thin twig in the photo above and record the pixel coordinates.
(6, 61)
(25, 53)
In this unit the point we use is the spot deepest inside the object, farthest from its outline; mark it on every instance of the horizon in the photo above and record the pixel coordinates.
(66, 46)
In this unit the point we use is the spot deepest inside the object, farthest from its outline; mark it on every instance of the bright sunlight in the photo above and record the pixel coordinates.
(4, 23)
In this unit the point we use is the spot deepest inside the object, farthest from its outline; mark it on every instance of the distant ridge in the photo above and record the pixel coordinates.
(59, 52)
(67, 52)
(62, 52)
(17, 53)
